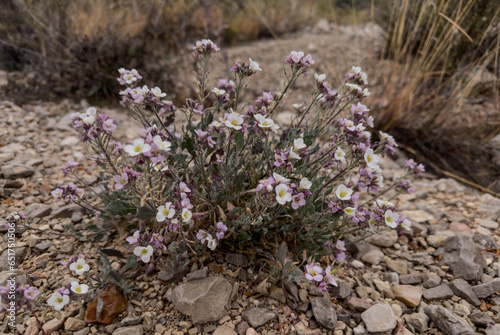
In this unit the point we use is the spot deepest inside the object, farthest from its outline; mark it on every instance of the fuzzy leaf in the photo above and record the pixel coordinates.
(106, 264)
(145, 213)
(281, 253)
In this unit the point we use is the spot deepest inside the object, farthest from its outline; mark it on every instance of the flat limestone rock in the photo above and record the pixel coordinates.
(205, 300)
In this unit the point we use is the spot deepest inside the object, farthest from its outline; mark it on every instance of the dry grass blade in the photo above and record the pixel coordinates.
(457, 26)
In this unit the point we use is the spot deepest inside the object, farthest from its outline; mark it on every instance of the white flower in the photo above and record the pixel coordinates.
(349, 124)
(263, 121)
(340, 155)
(406, 224)
(254, 66)
(391, 219)
(293, 155)
(161, 144)
(383, 136)
(357, 69)
(79, 266)
(275, 128)
(350, 211)
(215, 124)
(186, 215)
(157, 92)
(282, 195)
(211, 242)
(382, 203)
(79, 288)
(366, 92)
(343, 192)
(320, 77)
(234, 120)
(144, 252)
(58, 301)
(165, 212)
(138, 147)
(372, 224)
(88, 119)
(305, 184)
(279, 178)
(299, 144)
(160, 167)
(371, 158)
(218, 91)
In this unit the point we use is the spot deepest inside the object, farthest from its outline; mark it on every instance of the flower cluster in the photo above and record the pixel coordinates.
(219, 231)
(61, 297)
(205, 47)
(91, 125)
(144, 244)
(128, 77)
(298, 60)
(314, 273)
(68, 193)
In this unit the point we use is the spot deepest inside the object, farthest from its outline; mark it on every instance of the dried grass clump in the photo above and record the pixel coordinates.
(440, 59)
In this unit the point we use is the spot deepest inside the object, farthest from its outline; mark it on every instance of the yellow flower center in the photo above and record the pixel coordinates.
(137, 148)
(166, 211)
(79, 266)
(234, 122)
(144, 251)
(343, 194)
(78, 289)
(59, 300)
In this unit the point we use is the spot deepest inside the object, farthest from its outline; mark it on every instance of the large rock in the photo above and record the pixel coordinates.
(257, 317)
(462, 289)
(172, 272)
(448, 322)
(224, 330)
(18, 253)
(15, 171)
(64, 211)
(205, 300)
(463, 257)
(485, 290)
(386, 238)
(400, 267)
(409, 295)
(419, 321)
(324, 313)
(438, 293)
(37, 210)
(134, 330)
(379, 318)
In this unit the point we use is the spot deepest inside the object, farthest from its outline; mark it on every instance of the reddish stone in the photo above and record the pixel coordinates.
(461, 228)
(114, 304)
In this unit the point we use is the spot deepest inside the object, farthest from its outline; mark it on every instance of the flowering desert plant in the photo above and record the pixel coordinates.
(229, 175)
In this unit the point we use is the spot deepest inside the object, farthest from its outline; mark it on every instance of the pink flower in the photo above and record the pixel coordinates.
(221, 230)
(202, 235)
(298, 200)
(314, 272)
(120, 181)
(134, 238)
(109, 126)
(31, 293)
(328, 275)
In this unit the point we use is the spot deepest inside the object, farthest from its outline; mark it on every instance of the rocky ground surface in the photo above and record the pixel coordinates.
(440, 278)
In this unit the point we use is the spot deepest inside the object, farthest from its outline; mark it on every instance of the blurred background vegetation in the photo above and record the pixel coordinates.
(435, 82)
